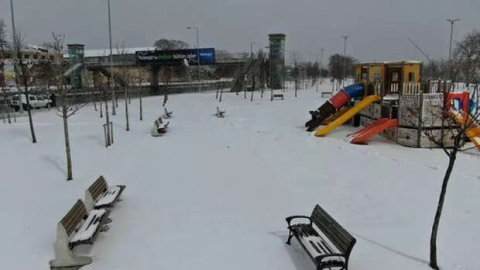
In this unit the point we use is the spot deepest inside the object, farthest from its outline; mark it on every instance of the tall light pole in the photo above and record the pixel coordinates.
(452, 22)
(112, 80)
(198, 55)
(15, 45)
(344, 58)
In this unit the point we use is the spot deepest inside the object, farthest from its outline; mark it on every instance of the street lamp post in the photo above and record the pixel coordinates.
(112, 80)
(198, 55)
(452, 22)
(15, 45)
(344, 58)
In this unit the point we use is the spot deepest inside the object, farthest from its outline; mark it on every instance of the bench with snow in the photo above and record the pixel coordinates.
(278, 96)
(167, 114)
(99, 195)
(78, 227)
(220, 114)
(326, 94)
(327, 243)
(159, 127)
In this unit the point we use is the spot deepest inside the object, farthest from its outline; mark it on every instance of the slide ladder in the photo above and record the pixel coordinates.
(364, 135)
(348, 115)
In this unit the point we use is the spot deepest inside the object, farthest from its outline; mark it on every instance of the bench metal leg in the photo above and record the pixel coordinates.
(290, 235)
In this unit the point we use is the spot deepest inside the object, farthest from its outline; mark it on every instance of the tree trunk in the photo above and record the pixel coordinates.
(438, 215)
(221, 92)
(107, 118)
(7, 109)
(67, 143)
(126, 110)
(114, 111)
(141, 107)
(101, 108)
(30, 119)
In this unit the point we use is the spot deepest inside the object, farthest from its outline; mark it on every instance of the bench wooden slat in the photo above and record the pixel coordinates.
(98, 187)
(74, 217)
(342, 239)
(327, 243)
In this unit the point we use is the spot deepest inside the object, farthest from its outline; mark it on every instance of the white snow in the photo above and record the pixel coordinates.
(109, 196)
(214, 193)
(89, 226)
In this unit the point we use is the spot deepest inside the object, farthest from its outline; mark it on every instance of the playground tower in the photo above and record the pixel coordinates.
(277, 61)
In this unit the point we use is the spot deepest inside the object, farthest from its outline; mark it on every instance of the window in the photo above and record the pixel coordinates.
(395, 77)
(377, 77)
(364, 76)
(411, 77)
(31, 98)
(27, 56)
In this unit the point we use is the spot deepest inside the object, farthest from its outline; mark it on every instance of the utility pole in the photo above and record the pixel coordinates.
(112, 80)
(198, 55)
(344, 59)
(15, 48)
(452, 22)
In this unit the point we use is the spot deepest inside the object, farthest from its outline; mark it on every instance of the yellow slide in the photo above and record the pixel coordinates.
(473, 133)
(348, 115)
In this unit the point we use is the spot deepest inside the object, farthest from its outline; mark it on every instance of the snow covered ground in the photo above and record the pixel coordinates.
(213, 193)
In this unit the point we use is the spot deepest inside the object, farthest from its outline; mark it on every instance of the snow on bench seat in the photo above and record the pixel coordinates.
(100, 195)
(109, 197)
(90, 227)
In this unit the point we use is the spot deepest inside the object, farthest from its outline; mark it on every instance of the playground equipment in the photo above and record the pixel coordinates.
(392, 101)
(362, 136)
(461, 118)
(348, 115)
(335, 104)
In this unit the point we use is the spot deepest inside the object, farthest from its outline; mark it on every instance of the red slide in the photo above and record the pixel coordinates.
(367, 133)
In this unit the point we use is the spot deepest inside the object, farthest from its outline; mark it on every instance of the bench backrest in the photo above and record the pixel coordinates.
(98, 188)
(74, 217)
(343, 240)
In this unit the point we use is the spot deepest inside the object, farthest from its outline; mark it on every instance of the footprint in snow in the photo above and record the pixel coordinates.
(433, 167)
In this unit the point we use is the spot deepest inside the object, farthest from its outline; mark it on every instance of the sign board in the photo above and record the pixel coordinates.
(177, 57)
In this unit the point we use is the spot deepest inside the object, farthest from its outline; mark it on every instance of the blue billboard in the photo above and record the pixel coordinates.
(177, 57)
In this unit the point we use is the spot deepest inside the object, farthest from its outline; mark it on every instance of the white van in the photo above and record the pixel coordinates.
(35, 102)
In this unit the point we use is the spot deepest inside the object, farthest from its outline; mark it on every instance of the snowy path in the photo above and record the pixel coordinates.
(213, 193)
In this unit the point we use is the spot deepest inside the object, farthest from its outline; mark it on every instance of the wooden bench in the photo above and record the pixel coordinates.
(327, 243)
(78, 227)
(160, 128)
(278, 96)
(220, 114)
(99, 195)
(167, 114)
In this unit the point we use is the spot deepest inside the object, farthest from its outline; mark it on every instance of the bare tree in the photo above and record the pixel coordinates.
(65, 105)
(296, 59)
(455, 127)
(23, 77)
(3, 56)
(170, 44)
(467, 56)
(127, 77)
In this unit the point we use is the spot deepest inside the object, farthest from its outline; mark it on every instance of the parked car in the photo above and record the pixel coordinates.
(35, 102)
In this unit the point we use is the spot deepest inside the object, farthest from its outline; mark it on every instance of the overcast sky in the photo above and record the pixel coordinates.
(378, 29)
